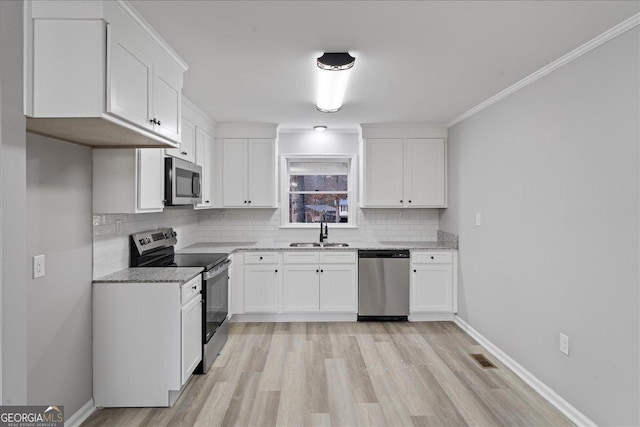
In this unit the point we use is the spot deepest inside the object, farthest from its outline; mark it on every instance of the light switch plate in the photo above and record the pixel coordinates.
(38, 266)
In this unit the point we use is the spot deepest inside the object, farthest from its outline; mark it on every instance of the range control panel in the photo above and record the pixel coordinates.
(154, 239)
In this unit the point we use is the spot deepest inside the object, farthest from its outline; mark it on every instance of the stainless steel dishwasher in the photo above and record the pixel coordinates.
(383, 285)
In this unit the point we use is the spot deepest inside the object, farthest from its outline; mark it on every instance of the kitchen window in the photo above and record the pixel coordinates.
(317, 188)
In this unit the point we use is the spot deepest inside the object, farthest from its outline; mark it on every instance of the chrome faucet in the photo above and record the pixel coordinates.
(325, 235)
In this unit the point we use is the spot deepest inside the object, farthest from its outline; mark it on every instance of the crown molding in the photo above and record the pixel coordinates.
(610, 34)
(135, 15)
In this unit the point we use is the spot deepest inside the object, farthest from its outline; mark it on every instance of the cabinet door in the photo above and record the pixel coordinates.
(166, 109)
(383, 167)
(191, 338)
(187, 149)
(234, 172)
(260, 183)
(204, 158)
(150, 176)
(425, 172)
(261, 289)
(129, 87)
(432, 288)
(338, 288)
(301, 292)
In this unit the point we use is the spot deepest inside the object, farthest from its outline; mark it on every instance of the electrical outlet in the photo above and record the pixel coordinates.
(118, 226)
(478, 219)
(564, 344)
(38, 266)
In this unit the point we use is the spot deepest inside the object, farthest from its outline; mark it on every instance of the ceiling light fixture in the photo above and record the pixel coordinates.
(320, 128)
(333, 76)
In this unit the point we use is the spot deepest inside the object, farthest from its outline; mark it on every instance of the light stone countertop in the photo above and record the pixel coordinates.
(229, 247)
(151, 275)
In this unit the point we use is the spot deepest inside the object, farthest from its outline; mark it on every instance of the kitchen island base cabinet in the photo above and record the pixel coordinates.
(145, 341)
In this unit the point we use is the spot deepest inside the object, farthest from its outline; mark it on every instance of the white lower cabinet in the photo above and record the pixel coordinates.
(313, 286)
(147, 340)
(432, 282)
(338, 288)
(191, 337)
(301, 288)
(261, 284)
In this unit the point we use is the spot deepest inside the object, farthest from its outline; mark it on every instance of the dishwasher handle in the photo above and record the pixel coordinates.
(383, 254)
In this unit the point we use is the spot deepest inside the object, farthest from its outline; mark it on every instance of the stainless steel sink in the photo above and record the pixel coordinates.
(305, 245)
(318, 245)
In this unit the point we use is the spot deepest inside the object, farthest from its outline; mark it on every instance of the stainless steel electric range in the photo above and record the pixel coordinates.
(155, 248)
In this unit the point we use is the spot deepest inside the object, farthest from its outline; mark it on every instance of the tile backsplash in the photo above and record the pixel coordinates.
(111, 235)
(263, 225)
(111, 232)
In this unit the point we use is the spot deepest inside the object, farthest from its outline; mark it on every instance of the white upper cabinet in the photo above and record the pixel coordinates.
(425, 172)
(234, 181)
(204, 158)
(248, 165)
(384, 164)
(402, 170)
(187, 148)
(97, 74)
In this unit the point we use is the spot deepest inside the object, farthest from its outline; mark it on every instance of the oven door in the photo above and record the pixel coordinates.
(215, 288)
(182, 182)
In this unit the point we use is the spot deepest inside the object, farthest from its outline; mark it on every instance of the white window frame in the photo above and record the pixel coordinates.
(350, 160)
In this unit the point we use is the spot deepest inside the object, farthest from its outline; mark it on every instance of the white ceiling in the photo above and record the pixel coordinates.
(416, 61)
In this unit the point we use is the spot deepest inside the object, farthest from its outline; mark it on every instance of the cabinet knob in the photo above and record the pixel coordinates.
(159, 123)
(260, 258)
(207, 201)
(431, 257)
(400, 201)
(321, 271)
(317, 271)
(184, 153)
(249, 201)
(194, 287)
(245, 201)
(276, 271)
(409, 201)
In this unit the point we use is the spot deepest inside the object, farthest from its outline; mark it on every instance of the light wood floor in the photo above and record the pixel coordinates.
(348, 374)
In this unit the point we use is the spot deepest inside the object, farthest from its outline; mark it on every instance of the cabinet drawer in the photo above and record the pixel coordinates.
(261, 257)
(191, 288)
(306, 257)
(432, 257)
(341, 257)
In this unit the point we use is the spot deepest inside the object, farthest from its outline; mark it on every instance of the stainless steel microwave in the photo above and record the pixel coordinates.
(181, 182)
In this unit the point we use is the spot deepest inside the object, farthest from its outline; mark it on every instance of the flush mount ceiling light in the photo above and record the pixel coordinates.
(320, 128)
(333, 76)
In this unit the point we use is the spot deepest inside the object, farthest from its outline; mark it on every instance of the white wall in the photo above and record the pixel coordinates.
(554, 171)
(13, 207)
(59, 350)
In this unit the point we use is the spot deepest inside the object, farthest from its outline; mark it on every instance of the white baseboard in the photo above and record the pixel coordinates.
(431, 317)
(81, 415)
(545, 391)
